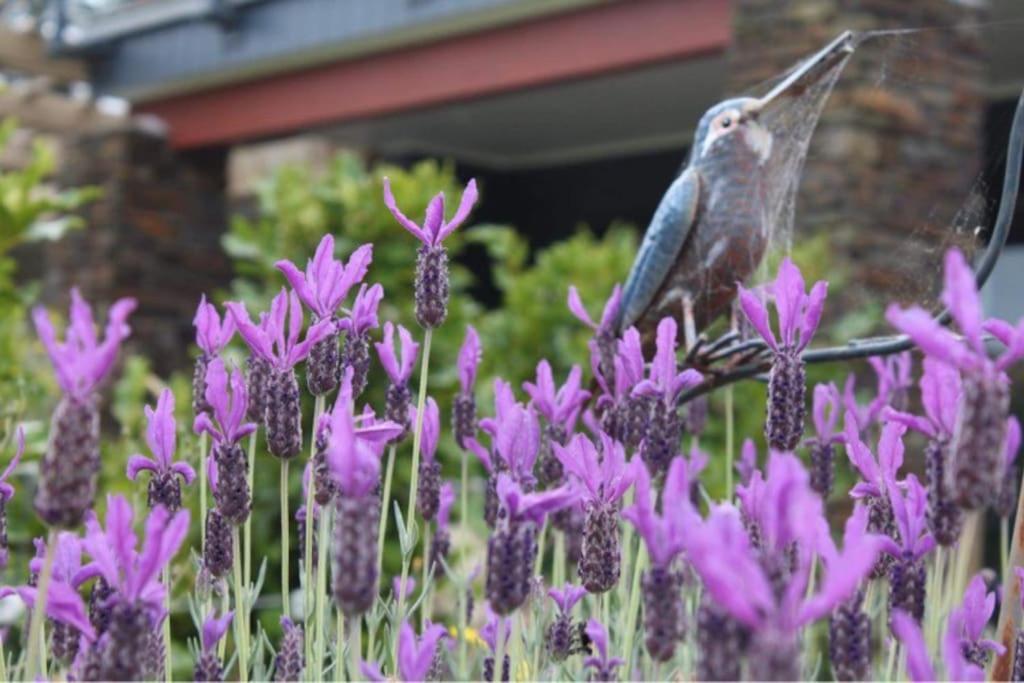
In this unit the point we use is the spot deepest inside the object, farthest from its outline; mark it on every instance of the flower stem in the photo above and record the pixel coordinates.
(339, 644)
(241, 611)
(355, 637)
(633, 608)
(321, 586)
(410, 509)
(464, 490)
(35, 664)
(389, 472)
(309, 594)
(558, 561)
(426, 611)
(285, 550)
(1004, 545)
(463, 607)
(168, 674)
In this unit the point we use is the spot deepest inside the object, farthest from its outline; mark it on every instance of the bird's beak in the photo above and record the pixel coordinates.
(807, 73)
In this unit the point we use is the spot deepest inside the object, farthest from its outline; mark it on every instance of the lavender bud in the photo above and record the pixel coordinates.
(356, 523)
(99, 607)
(154, 655)
(284, 415)
(721, 644)
(774, 656)
(978, 467)
(123, 658)
(601, 562)
(491, 503)
(786, 388)
(86, 666)
(428, 496)
(63, 641)
(561, 637)
(823, 468)
(664, 624)
(661, 439)
(511, 552)
(606, 342)
(165, 489)
(463, 418)
(290, 661)
(549, 467)
(975, 653)
(907, 587)
(68, 471)
(218, 553)
(325, 487)
(1018, 657)
(396, 407)
(322, 366)
(431, 286)
(849, 640)
(489, 668)
(439, 547)
(944, 516)
(208, 667)
(881, 521)
(199, 404)
(232, 494)
(257, 377)
(355, 354)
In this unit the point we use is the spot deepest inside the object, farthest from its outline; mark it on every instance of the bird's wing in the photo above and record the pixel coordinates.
(663, 240)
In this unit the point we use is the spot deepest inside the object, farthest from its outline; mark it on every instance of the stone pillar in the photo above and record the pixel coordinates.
(154, 235)
(906, 115)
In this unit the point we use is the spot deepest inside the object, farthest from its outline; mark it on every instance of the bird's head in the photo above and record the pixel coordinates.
(729, 123)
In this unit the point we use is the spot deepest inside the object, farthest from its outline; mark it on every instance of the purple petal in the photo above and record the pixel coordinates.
(184, 470)
(610, 313)
(433, 221)
(255, 337)
(931, 337)
(469, 197)
(577, 308)
(372, 672)
(297, 279)
(386, 354)
(431, 429)
(812, 314)
(140, 463)
(598, 636)
(315, 334)
(960, 295)
(214, 629)
(469, 359)
(389, 201)
(757, 314)
(789, 297)
(906, 630)
(1012, 443)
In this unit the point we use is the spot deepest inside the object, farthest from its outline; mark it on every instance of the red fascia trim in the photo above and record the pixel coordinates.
(602, 39)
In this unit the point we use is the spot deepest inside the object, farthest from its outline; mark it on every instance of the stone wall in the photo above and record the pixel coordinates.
(900, 141)
(154, 235)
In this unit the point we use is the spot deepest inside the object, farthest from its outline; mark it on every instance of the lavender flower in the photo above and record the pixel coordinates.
(973, 615)
(68, 471)
(432, 259)
(228, 401)
(877, 478)
(907, 574)
(441, 543)
(603, 478)
(6, 493)
(137, 603)
(208, 665)
(822, 445)
(663, 386)
(322, 288)
(354, 462)
(512, 547)
(560, 407)
(849, 640)
(415, 654)
(893, 377)
(981, 420)
(489, 634)
(919, 665)
(602, 346)
(721, 643)
(664, 536)
(562, 635)
(429, 492)
(799, 314)
(355, 353)
(161, 436)
(604, 667)
(627, 415)
(290, 662)
(464, 405)
(1007, 501)
(218, 551)
(279, 346)
(399, 367)
(940, 396)
(212, 335)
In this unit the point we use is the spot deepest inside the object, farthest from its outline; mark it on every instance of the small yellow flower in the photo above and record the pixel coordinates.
(472, 636)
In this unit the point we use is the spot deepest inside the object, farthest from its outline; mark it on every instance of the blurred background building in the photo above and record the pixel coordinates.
(567, 111)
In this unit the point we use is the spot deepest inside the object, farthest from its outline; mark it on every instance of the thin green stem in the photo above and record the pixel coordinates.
(389, 472)
(309, 594)
(538, 565)
(355, 646)
(251, 477)
(463, 643)
(241, 611)
(168, 674)
(321, 587)
(410, 509)
(730, 443)
(464, 490)
(558, 562)
(633, 608)
(427, 610)
(1004, 545)
(222, 646)
(35, 664)
(285, 550)
(339, 645)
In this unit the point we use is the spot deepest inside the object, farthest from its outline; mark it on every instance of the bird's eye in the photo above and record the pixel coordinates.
(726, 122)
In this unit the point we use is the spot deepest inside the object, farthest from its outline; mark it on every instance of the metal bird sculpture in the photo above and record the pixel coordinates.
(712, 227)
